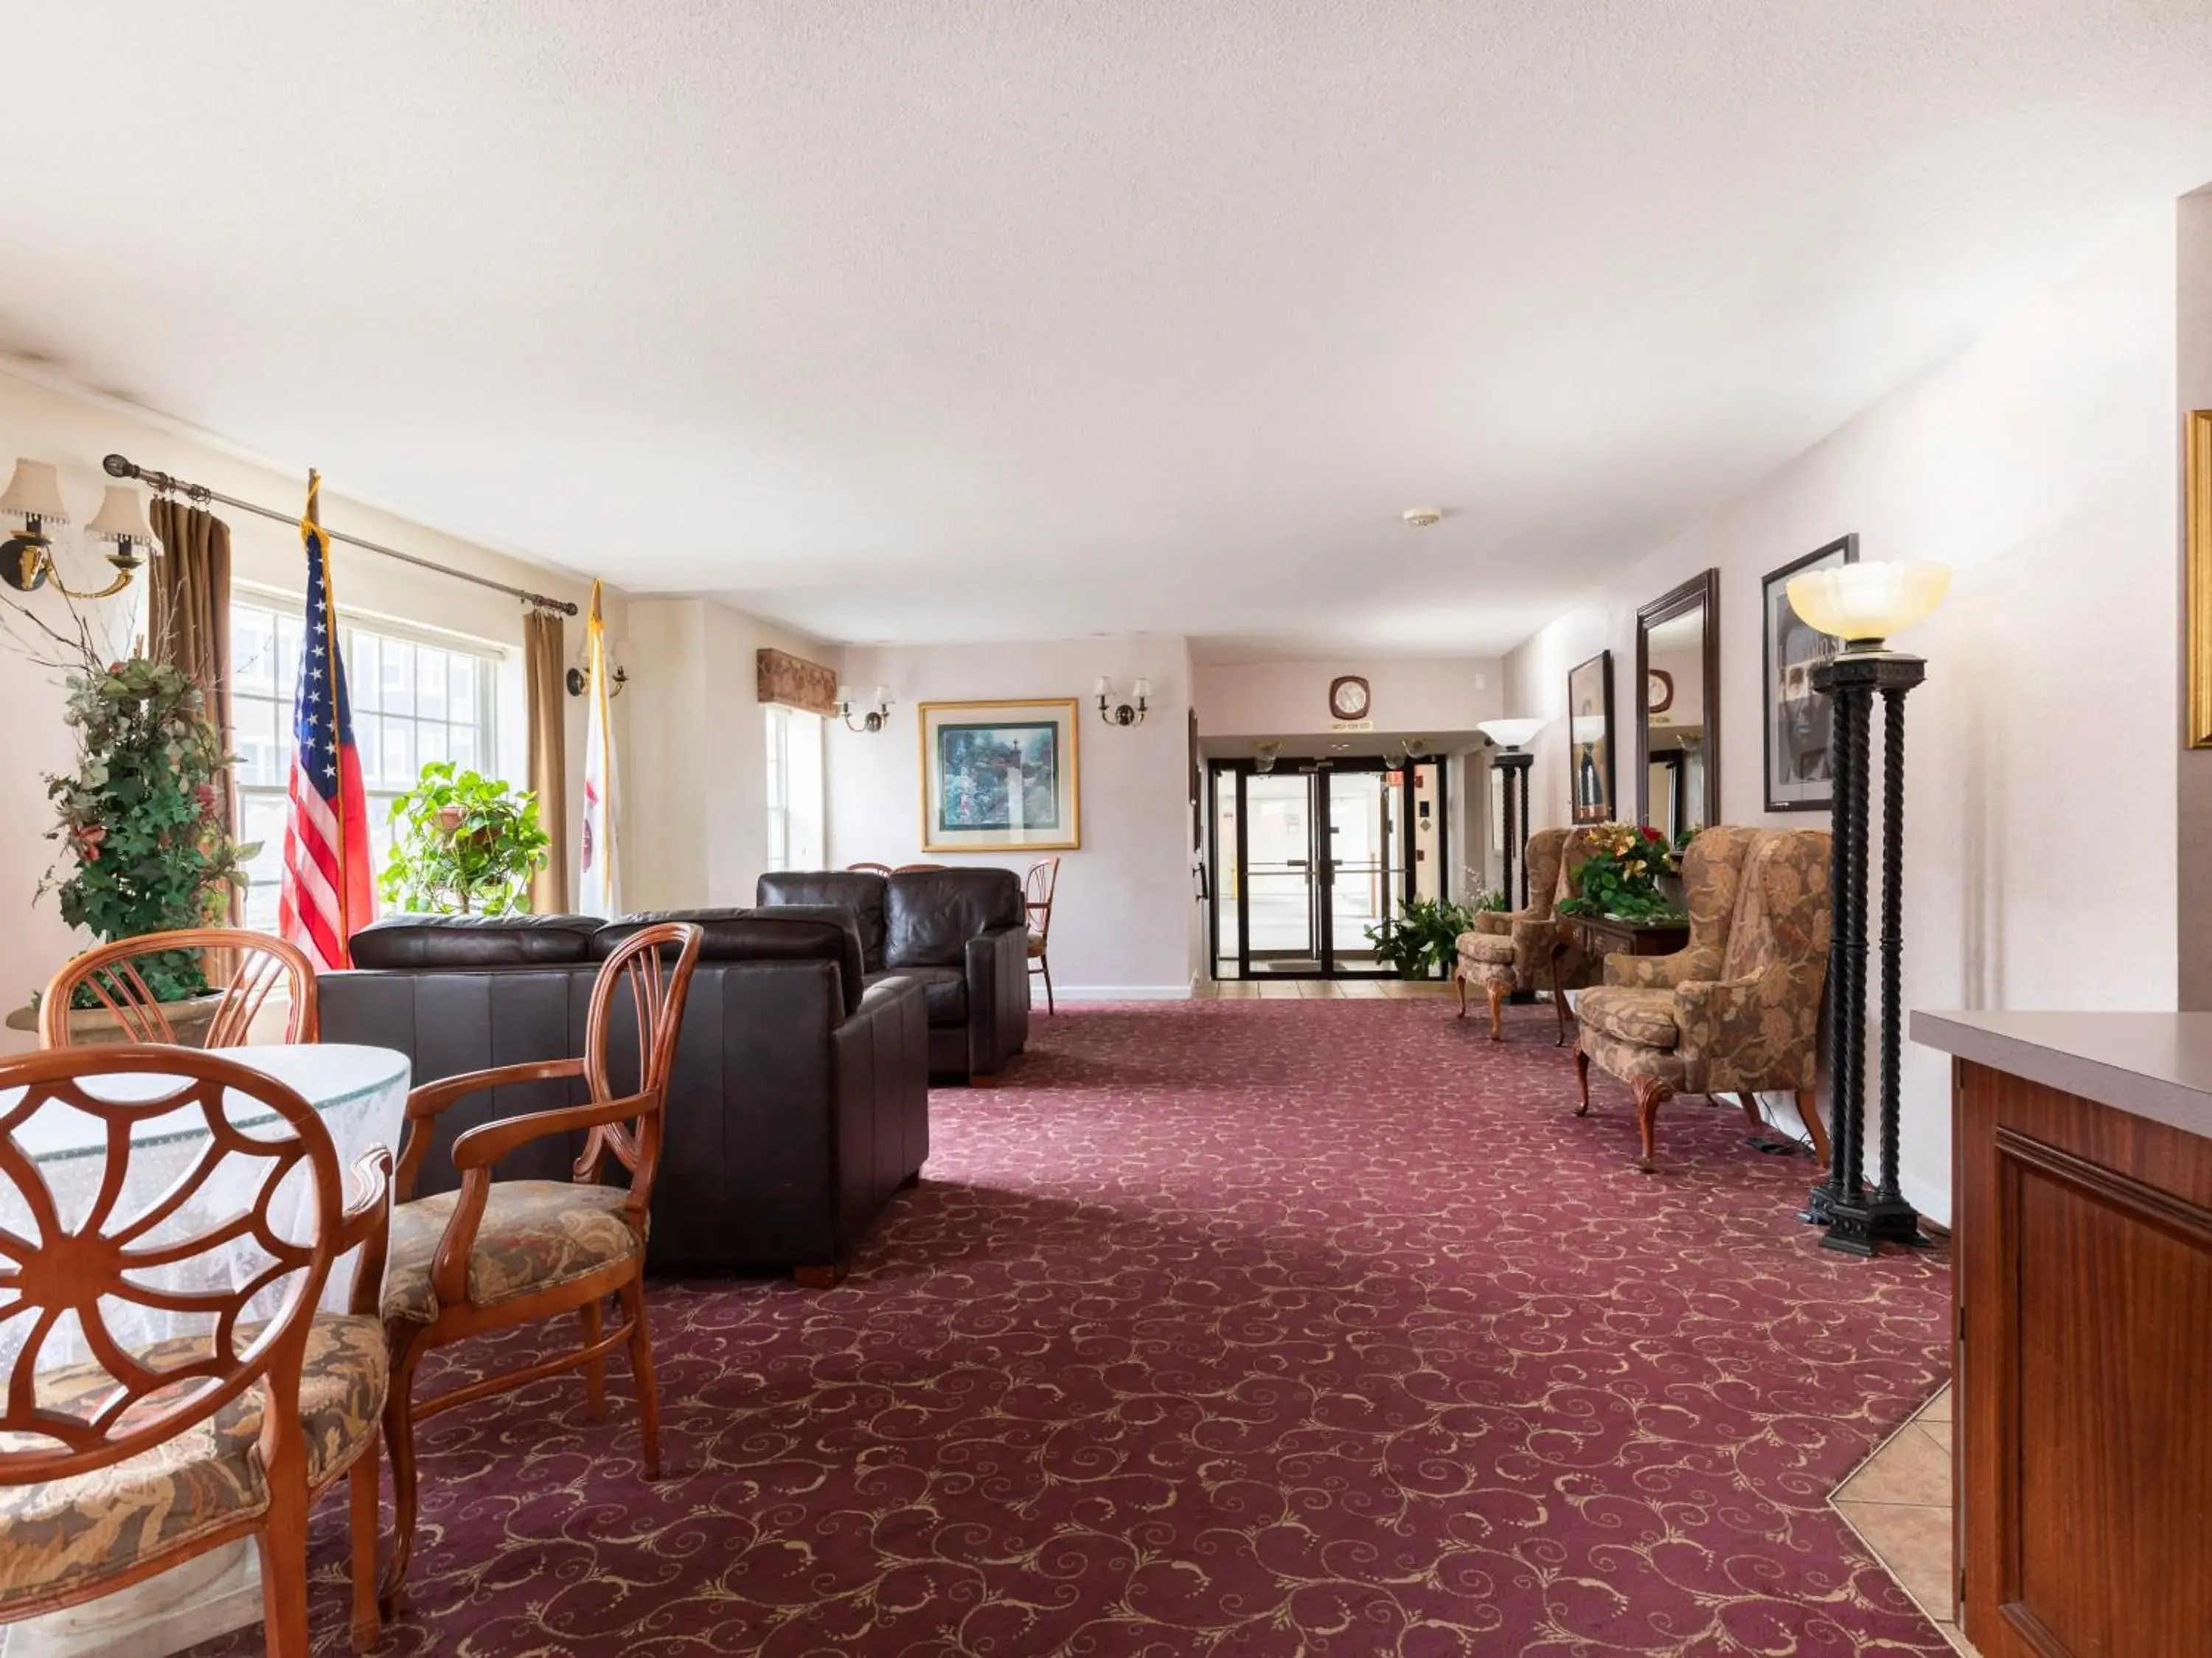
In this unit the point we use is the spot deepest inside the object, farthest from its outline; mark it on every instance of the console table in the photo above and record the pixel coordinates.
(1603, 936)
(2082, 1215)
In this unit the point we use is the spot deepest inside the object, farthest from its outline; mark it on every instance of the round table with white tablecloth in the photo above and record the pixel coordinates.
(361, 1095)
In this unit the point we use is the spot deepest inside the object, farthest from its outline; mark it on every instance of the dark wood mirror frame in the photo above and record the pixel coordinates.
(1701, 592)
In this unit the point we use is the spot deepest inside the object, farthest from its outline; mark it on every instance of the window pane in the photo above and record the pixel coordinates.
(430, 744)
(462, 711)
(362, 683)
(397, 658)
(253, 651)
(398, 769)
(287, 655)
(461, 745)
(429, 683)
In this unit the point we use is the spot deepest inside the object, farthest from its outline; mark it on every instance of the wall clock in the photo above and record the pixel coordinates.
(1658, 690)
(1348, 698)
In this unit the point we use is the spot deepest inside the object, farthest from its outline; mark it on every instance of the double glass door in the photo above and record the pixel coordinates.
(1307, 859)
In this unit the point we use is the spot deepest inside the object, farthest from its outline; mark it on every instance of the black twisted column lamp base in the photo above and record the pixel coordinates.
(1859, 1220)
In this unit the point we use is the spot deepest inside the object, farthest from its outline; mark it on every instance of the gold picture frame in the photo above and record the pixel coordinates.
(2197, 507)
(969, 752)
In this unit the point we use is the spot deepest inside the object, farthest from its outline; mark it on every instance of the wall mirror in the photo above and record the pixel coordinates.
(1678, 711)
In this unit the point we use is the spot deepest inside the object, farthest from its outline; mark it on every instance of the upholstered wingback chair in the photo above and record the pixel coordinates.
(1738, 1009)
(1509, 951)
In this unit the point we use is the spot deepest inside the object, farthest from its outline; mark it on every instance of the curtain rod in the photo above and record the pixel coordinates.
(163, 482)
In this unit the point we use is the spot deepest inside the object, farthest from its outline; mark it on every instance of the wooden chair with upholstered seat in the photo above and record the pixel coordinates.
(245, 969)
(1038, 885)
(120, 1465)
(869, 869)
(501, 1253)
(908, 869)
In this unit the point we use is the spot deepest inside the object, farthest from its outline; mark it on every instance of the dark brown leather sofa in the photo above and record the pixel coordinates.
(800, 1099)
(962, 934)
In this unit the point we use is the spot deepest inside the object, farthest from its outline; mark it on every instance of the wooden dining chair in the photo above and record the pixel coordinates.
(1038, 886)
(496, 1254)
(869, 869)
(908, 869)
(117, 1467)
(248, 966)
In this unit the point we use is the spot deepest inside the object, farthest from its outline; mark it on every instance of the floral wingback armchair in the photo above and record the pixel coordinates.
(1509, 951)
(1739, 1009)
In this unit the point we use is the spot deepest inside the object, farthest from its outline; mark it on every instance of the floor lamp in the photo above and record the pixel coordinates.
(1515, 760)
(1862, 605)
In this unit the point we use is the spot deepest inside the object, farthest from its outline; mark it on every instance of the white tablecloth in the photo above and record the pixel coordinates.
(359, 1093)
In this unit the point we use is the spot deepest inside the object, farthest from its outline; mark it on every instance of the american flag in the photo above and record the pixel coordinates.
(327, 895)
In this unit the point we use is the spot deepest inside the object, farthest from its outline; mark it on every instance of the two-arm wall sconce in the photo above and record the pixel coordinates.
(34, 497)
(875, 719)
(1128, 713)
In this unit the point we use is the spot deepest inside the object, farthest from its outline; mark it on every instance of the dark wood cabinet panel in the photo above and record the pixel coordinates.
(2085, 1380)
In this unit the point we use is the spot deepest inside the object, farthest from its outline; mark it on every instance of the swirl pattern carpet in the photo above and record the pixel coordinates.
(1257, 1328)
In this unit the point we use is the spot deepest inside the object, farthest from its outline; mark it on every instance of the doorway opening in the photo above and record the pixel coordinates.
(1308, 856)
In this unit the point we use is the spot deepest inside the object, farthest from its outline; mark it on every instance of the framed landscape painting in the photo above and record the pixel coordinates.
(1000, 776)
(1589, 738)
(1797, 717)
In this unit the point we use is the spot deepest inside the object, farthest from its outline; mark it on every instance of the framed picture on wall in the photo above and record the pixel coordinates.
(1797, 717)
(1000, 776)
(1590, 739)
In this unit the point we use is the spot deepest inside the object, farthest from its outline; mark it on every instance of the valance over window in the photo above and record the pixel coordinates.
(797, 683)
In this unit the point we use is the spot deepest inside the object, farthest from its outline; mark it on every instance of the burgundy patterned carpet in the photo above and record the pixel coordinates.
(1250, 1328)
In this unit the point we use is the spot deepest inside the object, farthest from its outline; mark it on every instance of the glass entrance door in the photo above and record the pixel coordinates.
(1281, 918)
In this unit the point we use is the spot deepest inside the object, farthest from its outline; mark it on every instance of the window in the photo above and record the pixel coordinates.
(414, 700)
(795, 788)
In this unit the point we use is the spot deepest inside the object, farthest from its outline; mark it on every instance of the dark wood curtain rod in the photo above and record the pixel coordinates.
(199, 494)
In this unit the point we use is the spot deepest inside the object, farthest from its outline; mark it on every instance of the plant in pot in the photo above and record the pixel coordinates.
(146, 845)
(463, 844)
(1621, 877)
(1423, 939)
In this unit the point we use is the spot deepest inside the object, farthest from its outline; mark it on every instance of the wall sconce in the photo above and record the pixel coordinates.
(34, 496)
(1122, 713)
(875, 719)
(579, 681)
(1266, 753)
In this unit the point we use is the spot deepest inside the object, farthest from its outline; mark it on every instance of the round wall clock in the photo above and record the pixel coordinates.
(1658, 690)
(1348, 698)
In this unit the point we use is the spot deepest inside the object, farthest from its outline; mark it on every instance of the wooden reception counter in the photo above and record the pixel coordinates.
(2082, 1216)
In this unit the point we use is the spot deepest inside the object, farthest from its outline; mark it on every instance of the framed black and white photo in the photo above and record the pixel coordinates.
(1797, 717)
(1590, 739)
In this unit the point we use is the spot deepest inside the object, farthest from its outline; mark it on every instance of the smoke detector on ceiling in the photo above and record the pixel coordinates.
(1421, 517)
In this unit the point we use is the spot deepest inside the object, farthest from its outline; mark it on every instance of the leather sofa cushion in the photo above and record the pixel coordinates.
(943, 991)
(462, 942)
(858, 890)
(930, 914)
(789, 933)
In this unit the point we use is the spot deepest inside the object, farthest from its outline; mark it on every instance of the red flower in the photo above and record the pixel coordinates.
(1649, 833)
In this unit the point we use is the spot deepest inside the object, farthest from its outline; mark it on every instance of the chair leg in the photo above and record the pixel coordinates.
(1044, 966)
(641, 1364)
(1459, 982)
(1582, 1075)
(283, 1543)
(1808, 1108)
(595, 1373)
(1751, 1116)
(361, 1489)
(1650, 1095)
(407, 1342)
(1498, 991)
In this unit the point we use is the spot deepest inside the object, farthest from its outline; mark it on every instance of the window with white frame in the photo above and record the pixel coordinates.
(416, 699)
(795, 788)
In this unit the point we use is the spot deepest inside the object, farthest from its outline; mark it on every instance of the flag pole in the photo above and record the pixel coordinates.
(319, 545)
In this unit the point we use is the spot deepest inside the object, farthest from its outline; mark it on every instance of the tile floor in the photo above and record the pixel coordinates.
(1292, 990)
(1900, 1504)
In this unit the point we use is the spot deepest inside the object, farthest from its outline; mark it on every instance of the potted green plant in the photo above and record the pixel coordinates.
(146, 847)
(463, 844)
(1423, 939)
(1621, 877)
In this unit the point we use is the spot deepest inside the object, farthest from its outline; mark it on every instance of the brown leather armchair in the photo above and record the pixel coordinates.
(1738, 1009)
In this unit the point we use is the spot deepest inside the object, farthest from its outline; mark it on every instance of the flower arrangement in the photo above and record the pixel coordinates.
(1621, 877)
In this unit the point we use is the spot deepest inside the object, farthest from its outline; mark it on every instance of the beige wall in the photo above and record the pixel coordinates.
(1284, 699)
(2039, 463)
(2194, 773)
(74, 432)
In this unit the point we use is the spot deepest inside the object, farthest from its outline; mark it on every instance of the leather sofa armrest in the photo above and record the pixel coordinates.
(998, 966)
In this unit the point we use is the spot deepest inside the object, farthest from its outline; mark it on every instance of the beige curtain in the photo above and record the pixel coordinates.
(541, 655)
(188, 622)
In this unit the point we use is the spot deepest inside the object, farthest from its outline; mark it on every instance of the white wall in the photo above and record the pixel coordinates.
(696, 823)
(74, 432)
(1121, 925)
(1281, 699)
(2041, 798)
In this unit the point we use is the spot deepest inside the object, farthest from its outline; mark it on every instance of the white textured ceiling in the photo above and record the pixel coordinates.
(926, 320)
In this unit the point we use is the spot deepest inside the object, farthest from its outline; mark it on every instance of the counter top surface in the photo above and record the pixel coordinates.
(2154, 1065)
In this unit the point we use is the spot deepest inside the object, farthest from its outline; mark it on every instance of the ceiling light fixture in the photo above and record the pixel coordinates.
(1421, 517)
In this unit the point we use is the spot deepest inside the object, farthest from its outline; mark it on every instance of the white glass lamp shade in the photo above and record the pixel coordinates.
(120, 517)
(1865, 604)
(1512, 733)
(35, 492)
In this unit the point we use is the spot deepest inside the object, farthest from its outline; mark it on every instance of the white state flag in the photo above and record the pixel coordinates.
(598, 886)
